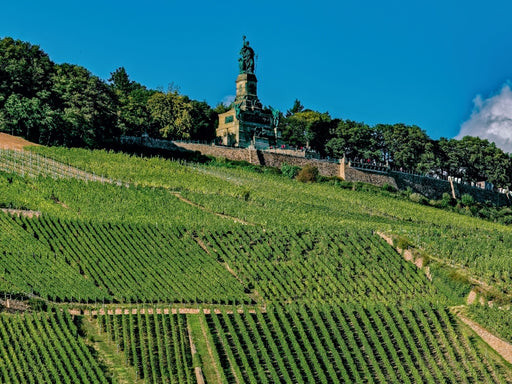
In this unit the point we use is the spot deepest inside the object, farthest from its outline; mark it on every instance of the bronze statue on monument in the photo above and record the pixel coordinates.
(246, 60)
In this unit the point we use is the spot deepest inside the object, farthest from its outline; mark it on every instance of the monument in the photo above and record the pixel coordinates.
(247, 124)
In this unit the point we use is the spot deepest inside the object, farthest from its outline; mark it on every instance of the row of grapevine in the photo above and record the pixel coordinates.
(304, 344)
(338, 266)
(29, 163)
(133, 263)
(156, 345)
(26, 267)
(45, 348)
(239, 193)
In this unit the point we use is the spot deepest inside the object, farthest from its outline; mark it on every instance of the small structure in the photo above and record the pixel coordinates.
(247, 124)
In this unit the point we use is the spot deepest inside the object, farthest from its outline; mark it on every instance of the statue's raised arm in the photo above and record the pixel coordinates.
(246, 60)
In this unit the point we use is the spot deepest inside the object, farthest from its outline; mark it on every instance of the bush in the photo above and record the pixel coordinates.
(388, 188)
(401, 242)
(447, 200)
(467, 199)
(308, 174)
(290, 170)
(417, 198)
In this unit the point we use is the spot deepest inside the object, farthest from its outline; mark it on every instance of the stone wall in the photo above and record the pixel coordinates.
(379, 179)
(236, 154)
(258, 157)
(434, 189)
(428, 187)
(273, 159)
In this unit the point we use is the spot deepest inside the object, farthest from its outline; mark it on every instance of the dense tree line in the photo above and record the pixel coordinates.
(398, 145)
(65, 104)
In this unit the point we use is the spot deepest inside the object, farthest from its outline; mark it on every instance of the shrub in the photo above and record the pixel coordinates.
(388, 188)
(447, 200)
(308, 174)
(271, 171)
(467, 199)
(344, 184)
(401, 242)
(290, 170)
(417, 198)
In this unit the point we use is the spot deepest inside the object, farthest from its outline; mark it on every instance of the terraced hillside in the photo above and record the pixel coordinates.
(160, 271)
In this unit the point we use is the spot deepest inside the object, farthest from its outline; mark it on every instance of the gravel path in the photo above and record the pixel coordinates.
(500, 346)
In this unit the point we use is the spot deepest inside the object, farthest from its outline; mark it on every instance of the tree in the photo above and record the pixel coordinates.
(296, 108)
(307, 129)
(87, 107)
(203, 121)
(26, 102)
(171, 113)
(406, 146)
(120, 81)
(24, 69)
(28, 117)
(474, 159)
(353, 140)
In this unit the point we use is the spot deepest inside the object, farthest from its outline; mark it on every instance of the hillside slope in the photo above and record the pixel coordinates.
(202, 273)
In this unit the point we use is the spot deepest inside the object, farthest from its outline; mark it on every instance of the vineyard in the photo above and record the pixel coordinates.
(45, 348)
(160, 271)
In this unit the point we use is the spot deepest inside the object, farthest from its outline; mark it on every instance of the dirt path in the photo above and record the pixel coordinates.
(500, 346)
(13, 142)
(210, 350)
(471, 297)
(197, 369)
(408, 255)
(483, 286)
(185, 200)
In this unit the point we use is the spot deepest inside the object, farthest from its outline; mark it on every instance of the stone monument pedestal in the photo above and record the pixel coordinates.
(247, 123)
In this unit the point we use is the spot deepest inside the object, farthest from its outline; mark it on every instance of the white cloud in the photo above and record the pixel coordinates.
(491, 119)
(227, 100)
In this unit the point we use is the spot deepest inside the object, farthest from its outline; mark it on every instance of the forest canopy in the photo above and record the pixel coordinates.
(67, 105)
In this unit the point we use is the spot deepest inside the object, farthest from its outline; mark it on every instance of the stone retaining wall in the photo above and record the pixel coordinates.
(379, 179)
(428, 187)
(434, 189)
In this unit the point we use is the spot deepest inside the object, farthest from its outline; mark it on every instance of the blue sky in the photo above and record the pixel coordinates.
(436, 64)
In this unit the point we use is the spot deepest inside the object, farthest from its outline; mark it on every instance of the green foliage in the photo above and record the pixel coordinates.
(307, 252)
(66, 105)
(306, 128)
(144, 341)
(418, 198)
(47, 350)
(307, 266)
(401, 242)
(452, 283)
(290, 170)
(348, 344)
(308, 174)
(388, 188)
(353, 140)
(171, 112)
(475, 159)
(467, 200)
